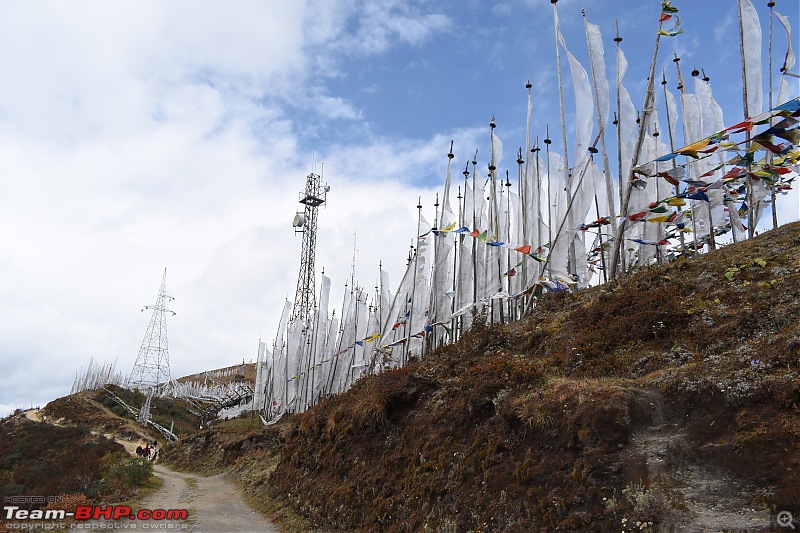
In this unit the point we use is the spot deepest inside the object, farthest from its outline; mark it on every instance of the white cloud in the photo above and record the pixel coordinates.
(381, 24)
(335, 108)
(139, 136)
(94, 60)
(724, 29)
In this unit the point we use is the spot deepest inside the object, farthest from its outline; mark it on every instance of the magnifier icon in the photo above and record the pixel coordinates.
(785, 519)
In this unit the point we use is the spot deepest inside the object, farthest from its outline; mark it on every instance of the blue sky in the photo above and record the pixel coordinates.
(141, 135)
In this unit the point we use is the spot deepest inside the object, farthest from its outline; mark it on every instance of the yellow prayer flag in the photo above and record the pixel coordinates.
(694, 147)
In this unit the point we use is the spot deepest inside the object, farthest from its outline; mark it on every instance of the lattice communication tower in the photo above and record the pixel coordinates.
(152, 362)
(305, 222)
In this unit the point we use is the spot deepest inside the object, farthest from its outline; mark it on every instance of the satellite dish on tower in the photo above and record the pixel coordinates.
(299, 220)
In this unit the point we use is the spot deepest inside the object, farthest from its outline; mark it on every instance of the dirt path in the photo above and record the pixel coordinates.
(214, 503)
(699, 497)
(129, 445)
(33, 414)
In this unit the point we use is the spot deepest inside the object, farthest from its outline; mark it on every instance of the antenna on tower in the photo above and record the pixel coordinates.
(305, 222)
(152, 363)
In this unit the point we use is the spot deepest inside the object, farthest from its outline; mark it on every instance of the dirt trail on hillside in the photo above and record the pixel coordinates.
(700, 496)
(35, 415)
(129, 444)
(214, 504)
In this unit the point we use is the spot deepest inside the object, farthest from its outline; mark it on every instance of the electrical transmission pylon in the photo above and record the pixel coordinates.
(312, 197)
(152, 363)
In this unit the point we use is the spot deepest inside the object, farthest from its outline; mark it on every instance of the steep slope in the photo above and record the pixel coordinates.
(670, 400)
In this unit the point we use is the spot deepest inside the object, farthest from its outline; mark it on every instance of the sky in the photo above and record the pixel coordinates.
(142, 135)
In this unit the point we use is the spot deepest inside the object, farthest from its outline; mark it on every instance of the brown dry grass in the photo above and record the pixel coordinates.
(529, 426)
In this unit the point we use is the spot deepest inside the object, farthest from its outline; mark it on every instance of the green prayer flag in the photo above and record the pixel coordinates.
(666, 7)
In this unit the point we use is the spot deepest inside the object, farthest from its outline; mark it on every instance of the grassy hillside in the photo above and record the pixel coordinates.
(68, 449)
(38, 458)
(95, 408)
(669, 401)
(671, 398)
(73, 448)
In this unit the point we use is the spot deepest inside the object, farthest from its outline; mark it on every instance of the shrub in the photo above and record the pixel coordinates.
(644, 502)
(128, 474)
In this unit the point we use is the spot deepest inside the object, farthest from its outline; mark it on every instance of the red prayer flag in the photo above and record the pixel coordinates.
(735, 172)
(740, 127)
(668, 177)
(474, 233)
(768, 145)
(664, 17)
(637, 216)
(523, 249)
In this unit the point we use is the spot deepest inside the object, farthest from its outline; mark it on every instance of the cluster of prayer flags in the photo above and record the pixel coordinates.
(370, 338)
(785, 161)
(667, 12)
(786, 129)
(526, 249)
